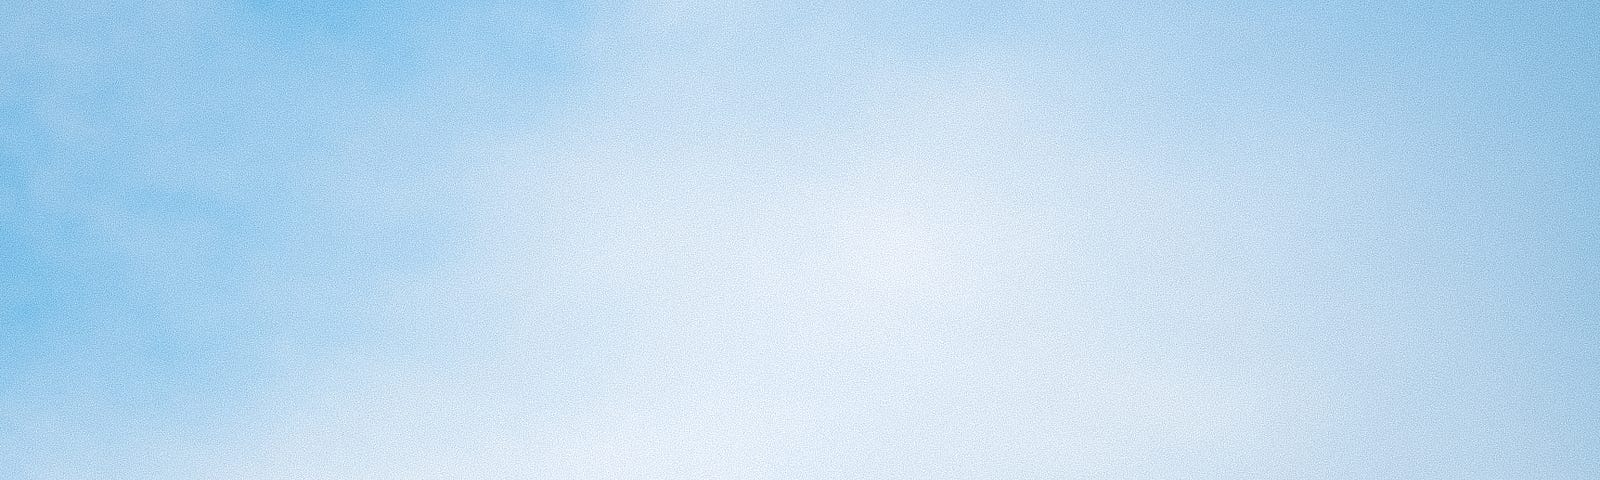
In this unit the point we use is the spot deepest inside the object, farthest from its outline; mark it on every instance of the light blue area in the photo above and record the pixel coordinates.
(795, 240)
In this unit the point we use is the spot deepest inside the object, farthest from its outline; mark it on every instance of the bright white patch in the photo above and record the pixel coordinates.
(886, 250)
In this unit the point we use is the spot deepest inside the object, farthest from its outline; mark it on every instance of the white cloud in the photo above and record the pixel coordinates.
(678, 281)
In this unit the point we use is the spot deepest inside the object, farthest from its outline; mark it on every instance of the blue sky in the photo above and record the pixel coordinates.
(706, 238)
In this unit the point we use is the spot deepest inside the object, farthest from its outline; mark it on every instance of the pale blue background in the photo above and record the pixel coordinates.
(755, 239)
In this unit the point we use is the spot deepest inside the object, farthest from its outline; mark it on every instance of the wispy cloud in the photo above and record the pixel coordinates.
(768, 239)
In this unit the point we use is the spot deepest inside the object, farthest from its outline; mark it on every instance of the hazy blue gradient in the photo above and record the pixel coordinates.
(757, 239)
